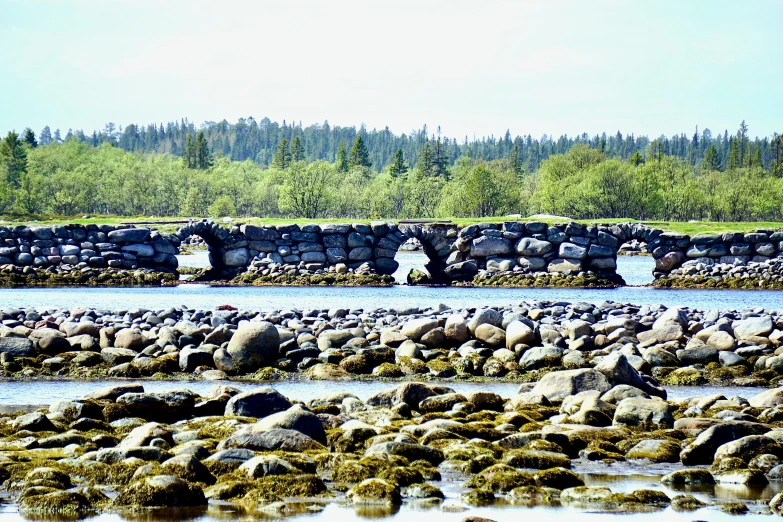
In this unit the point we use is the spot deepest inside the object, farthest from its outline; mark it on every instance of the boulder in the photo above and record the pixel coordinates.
(635, 411)
(530, 247)
(18, 346)
(753, 327)
(161, 491)
(253, 346)
(410, 393)
(484, 246)
(559, 385)
(618, 370)
(276, 439)
(702, 449)
(416, 328)
(518, 333)
(295, 418)
(456, 329)
(258, 403)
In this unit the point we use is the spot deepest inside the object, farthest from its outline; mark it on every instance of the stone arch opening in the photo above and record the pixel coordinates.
(436, 241)
(215, 238)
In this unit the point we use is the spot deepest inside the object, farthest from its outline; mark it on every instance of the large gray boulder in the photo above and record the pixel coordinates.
(410, 393)
(17, 346)
(253, 346)
(531, 247)
(753, 327)
(556, 386)
(416, 328)
(637, 411)
(274, 439)
(702, 450)
(295, 418)
(618, 370)
(767, 399)
(484, 246)
(258, 403)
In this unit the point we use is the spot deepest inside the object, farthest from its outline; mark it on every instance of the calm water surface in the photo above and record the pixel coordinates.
(636, 270)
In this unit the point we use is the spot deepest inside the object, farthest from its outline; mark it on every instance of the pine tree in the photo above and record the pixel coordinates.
(398, 166)
(29, 138)
(297, 150)
(189, 155)
(46, 136)
(15, 158)
(514, 163)
(359, 157)
(712, 158)
(425, 164)
(282, 158)
(203, 159)
(342, 159)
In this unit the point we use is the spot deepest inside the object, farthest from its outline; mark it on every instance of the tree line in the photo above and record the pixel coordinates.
(74, 178)
(259, 141)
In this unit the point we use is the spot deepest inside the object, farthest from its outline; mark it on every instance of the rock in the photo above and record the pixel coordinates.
(265, 465)
(643, 412)
(585, 495)
(129, 235)
(618, 370)
(530, 247)
(253, 346)
(485, 316)
(258, 403)
(702, 449)
(113, 392)
(745, 477)
(416, 328)
(188, 468)
(656, 450)
(295, 418)
(518, 333)
(334, 339)
(33, 422)
(161, 491)
(748, 447)
(17, 346)
(410, 451)
(572, 251)
(564, 266)
(694, 477)
(272, 440)
(559, 385)
(146, 433)
(768, 398)
(130, 338)
(491, 335)
(163, 407)
(410, 393)
(456, 329)
(484, 246)
(375, 491)
(753, 327)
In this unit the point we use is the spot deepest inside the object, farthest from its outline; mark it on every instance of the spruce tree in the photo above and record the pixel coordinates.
(513, 161)
(342, 159)
(398, 166)
(15, 158)
(440, 162)
(297, 150)
(46, 136)
(359, 157)
(425, 164)
(29, 138)
(282, 158)
(203, 159)
(189, 155)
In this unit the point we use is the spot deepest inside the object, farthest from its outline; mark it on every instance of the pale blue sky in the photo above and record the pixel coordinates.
(473, 67)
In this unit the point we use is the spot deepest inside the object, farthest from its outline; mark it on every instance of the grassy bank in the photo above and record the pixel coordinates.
(170, 224)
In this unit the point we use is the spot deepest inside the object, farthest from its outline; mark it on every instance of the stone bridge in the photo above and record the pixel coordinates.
(453, 252)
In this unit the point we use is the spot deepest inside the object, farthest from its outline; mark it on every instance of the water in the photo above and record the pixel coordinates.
(37, 393)
(636, 270)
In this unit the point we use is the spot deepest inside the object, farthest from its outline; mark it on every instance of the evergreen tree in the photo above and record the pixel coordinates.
(46, 136)
(636, 159)
(282, 158)
(359, 157)
(425, 164)
(203, 158)
(398, 166)
(514, 163)
(57, 137)
(734, 155)
(297, 150)
(742, 136)
(342, 159)
(189, 155)
(29, 138)
(439, 160)
(712, 158)
(15, 158)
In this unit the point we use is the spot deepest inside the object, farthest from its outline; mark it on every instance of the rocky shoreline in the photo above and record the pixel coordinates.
(516, 343)
(121, 449)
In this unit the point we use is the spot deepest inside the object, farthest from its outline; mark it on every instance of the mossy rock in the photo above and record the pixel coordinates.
(229, 490)
(56, 502)
(505, 481)
(558, 478)
(692, 476)
(375, 491)
(278, 487)
(685, 377)
(387, 370)
(424, 491)
(687, 503)
(353, 471)
(427, 470)
(734, 508)
(160, 491)
(536, 459)
(655, 450)
(401, 476)
(478, 497)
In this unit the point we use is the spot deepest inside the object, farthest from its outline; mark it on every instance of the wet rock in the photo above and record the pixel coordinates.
(702, 449)
(643, 412)
(656, 450)
(295, 418)
(258, 403)
(253, 346)
(161, 491)
(271, 440)
(265, 465)
(33, 422)
(559, 385)
(688, 477)
(375, 491)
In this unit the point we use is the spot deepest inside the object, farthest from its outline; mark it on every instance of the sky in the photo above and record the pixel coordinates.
(476, 68)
